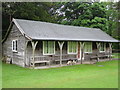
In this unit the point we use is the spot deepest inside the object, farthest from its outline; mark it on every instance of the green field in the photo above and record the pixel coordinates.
(100, 75)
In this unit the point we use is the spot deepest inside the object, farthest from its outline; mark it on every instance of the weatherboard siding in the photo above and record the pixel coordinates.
(17, 57)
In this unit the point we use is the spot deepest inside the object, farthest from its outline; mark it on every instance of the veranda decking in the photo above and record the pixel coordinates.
(58, 65)
(51, 62)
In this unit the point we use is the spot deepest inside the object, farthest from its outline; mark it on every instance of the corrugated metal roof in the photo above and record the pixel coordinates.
(38, 30)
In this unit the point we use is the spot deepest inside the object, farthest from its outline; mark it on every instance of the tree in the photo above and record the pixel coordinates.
(82, 14)
(104, 15)
(111, 16)
(26, 10)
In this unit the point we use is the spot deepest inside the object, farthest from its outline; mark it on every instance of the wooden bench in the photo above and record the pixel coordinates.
(94, 57)
(47, 59)
(103, 56)
(45, 62)
(40, 59)
(65, 57)
(98, 57)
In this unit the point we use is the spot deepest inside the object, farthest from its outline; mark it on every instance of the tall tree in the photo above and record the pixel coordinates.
(96, 15)
(26, 10)
(82, 14)
(111, 17)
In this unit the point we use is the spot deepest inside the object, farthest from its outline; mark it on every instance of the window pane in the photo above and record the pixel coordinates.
(88, 47)
(72, 47)
(49, 47)
(45, 47)
(16, 45)
(72, 43)
(53, 47)
(90, 50)
(102, 47)
(85, 47)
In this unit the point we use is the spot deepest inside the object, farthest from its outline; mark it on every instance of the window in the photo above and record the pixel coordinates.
(102, 46)
(72, 47)
(14, 45)
(88, 47)
(48, 47)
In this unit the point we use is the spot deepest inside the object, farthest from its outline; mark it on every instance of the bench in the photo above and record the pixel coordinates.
(56, 58)
(35, 62)
(103, 56)
(65, 57)
(40, 59)
(69, 59)
(98, 57)
(94, 57)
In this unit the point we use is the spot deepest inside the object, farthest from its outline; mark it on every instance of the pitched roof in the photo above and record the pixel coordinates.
(38, 30)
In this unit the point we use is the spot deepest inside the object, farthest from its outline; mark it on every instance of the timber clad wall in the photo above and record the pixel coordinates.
(30, 50)
(17, 57)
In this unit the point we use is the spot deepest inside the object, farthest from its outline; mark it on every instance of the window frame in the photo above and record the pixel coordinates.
(104, 47)
(14, 45)
(47, 47)
(90, 48)
(72, 48)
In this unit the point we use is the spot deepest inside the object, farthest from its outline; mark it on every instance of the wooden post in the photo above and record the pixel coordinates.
(82, 51)
(34, 44)
(110, 50)
(61, 46)
(25, 53)
(98, 48)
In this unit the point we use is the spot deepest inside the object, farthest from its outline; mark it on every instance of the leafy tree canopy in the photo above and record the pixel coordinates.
(96, 15)
(102, 15)
(26, 10)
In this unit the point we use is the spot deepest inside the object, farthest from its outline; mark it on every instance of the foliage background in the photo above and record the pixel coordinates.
(103, 15)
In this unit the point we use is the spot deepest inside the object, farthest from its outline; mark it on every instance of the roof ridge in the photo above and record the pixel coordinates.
(58, 24)
(38, 30)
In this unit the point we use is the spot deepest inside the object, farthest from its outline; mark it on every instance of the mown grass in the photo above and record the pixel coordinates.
(100, 75)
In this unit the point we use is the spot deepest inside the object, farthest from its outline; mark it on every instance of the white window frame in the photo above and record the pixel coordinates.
(104, 47)
(68, 48)
(90, 48)
(48, 53)
(14, 45)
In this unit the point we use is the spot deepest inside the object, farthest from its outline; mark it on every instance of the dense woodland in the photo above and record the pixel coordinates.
(104, 15)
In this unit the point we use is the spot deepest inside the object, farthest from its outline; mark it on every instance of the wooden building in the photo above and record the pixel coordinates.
(34, 43)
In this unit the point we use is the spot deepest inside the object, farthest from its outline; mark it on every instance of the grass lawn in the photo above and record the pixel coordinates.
(100, 75)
